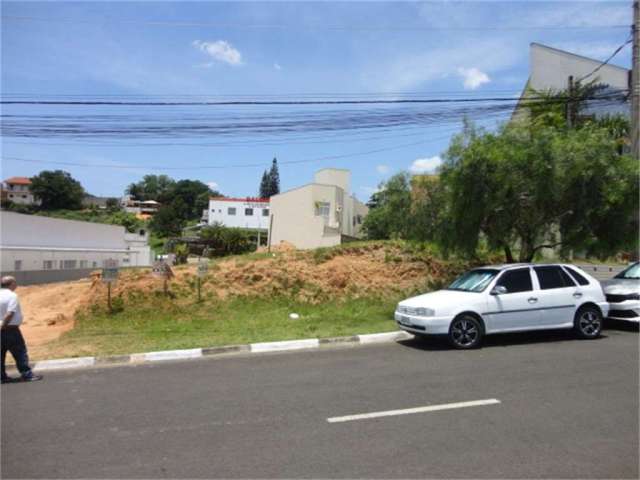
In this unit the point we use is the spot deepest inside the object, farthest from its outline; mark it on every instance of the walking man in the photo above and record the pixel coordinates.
(12, 340)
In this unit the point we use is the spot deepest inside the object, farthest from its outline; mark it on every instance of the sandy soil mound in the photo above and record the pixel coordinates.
(49, 309)
(376, 269)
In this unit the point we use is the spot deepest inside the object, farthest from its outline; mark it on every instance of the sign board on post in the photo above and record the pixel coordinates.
(203, 268)
(162, 269)
(109, 276)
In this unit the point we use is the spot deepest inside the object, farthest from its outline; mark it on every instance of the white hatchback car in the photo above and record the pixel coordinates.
(507, 298)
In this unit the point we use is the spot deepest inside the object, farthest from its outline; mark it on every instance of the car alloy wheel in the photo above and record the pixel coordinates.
(465, 332)
(589, 323)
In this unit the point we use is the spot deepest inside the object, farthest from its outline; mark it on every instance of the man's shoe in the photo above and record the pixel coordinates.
(9, 380)
(31, 378)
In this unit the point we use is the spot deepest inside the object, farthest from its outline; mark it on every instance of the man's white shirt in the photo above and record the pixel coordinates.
(9, 303)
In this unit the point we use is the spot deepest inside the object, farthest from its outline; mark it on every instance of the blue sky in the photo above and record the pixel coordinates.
(216, 50)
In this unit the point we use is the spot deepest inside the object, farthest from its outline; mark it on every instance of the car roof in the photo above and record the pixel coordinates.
(507, 266)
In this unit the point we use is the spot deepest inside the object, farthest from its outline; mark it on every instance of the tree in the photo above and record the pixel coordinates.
(264, 186)
(391, 212)
(57, 190)
(166, 222)
(112, 204)
(152, 187)
(274, 179)
(532, 186)
(191, 193)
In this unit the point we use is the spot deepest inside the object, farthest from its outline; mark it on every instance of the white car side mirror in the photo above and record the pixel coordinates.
(498, 290)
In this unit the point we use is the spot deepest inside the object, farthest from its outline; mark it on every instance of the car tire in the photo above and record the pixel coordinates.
(587, 323)
(465, 332)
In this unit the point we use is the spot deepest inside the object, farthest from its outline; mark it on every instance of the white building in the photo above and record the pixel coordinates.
(319, 214)
(18, 191)
(39, 249)
(249, 213)
(553, 69)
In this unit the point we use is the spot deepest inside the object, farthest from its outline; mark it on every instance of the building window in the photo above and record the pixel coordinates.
(11, 195)
(248, 212)
(95, 264)
(17, 265)
(323, 209)
(231, 211)
(265, 212)
(69, 264)
(359, 219)
(84, 263)
(24, 196)
(48, 264)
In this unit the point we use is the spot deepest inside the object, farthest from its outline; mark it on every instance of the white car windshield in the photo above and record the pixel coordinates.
(632, 272)
(474, 281)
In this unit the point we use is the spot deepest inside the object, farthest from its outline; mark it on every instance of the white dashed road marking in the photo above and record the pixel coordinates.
(407, 411)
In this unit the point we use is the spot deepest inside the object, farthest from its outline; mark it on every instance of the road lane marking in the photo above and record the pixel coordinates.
(407, 411)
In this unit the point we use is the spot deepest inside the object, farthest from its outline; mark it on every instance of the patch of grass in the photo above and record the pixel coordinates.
(166, 326)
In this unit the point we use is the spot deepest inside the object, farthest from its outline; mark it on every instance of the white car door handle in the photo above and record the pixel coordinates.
(532, 300)
(577, 295)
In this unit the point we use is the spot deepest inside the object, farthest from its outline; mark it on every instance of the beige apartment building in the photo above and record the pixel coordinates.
(320, 214)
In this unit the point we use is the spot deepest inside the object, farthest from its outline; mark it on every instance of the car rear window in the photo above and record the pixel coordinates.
(577, 276)
(553, 277)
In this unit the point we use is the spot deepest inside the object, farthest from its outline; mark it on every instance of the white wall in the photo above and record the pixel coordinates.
(551, 68)
(219, 213)
(33, 240)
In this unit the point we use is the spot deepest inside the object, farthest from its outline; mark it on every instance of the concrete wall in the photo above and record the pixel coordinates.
(334, 176)
(295, 219)
(49, 276)
(51, 247)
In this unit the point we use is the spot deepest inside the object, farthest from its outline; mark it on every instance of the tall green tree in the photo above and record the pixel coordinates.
(274, 179)
(533, 186)
(57, 190)
(265, 186)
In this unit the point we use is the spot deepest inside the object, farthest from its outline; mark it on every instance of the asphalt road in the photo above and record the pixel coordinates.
(569, 409)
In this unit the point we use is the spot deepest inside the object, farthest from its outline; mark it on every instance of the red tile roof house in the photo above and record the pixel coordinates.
(18, 191)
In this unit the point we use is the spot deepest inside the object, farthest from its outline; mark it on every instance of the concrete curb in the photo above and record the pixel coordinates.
(263, 347)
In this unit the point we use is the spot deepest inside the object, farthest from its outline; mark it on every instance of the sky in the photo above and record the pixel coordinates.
(177, 51)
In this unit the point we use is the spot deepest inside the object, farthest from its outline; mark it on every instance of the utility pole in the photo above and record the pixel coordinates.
(569, 107)
(635, 83)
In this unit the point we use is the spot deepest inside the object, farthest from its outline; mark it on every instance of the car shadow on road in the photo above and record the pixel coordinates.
(621, 325)
(438, 343)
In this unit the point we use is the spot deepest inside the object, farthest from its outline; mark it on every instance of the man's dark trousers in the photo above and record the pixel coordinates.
(12, 341)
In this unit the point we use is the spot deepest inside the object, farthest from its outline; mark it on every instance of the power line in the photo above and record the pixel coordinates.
(221, 167)
(162, 23)
(615, 52)
(268, 102)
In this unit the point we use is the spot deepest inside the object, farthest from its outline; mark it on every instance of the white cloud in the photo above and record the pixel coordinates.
(425, 165)
(473, 78)
(213, 185)
(277, 66)
(413, 70)
(382, 169)
(220, 50)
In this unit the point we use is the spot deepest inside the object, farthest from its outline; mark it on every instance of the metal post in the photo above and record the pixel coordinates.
(109, 297)
(269, 233)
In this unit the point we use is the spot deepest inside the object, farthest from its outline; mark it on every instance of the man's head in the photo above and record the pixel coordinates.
(8, 282)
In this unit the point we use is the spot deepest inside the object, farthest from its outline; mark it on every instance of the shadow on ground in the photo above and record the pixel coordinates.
(522, 338)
